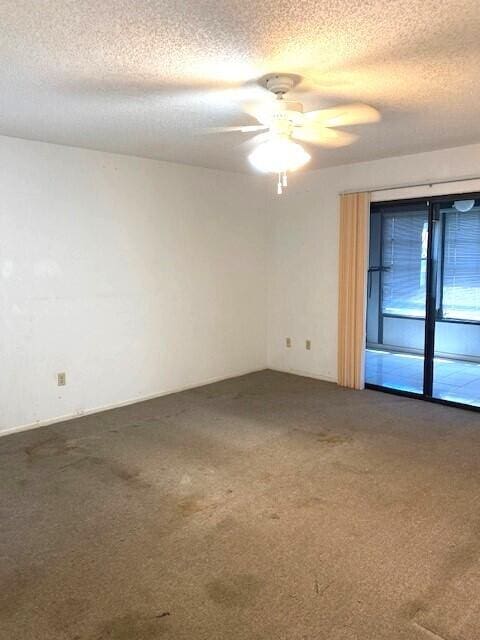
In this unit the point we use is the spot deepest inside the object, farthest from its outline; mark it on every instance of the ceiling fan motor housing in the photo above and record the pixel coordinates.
(279, 84)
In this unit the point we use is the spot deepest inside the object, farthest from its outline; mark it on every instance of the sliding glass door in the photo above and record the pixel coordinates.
(423, 298)
(396, 306)
(456, 291)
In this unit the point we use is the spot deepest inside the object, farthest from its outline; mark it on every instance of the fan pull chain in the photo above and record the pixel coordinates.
(279, 185)
(284, 181)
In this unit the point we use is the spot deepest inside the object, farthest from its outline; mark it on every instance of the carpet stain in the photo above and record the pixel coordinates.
(52, 446)
(411, 608)
(266, 477)
(124, 473)
(132, 626)
(190, 505)
(235, 590)
(108, 470)
(129, 475)
(323, 437)
(227, 524)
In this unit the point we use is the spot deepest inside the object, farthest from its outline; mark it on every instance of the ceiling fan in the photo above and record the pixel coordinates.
(284, 121)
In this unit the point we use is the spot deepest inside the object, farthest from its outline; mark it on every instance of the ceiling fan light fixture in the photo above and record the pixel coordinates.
(462, 206)
(279, 156)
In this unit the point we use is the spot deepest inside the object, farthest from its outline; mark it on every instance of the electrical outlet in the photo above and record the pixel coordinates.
(308, 345)
(288, 342)
(61, 379)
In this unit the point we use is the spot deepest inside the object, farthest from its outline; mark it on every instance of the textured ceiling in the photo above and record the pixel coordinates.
(146, 77)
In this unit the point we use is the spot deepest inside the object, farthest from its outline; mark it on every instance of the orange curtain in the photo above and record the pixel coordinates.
(353, 261)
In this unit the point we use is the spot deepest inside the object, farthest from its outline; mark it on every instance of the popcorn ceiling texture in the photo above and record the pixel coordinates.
(147, 77)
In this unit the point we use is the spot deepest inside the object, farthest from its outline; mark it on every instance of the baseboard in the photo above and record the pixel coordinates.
(305, 374)
(124, 403)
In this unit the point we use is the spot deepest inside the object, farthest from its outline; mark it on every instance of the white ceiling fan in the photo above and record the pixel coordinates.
(284, 121)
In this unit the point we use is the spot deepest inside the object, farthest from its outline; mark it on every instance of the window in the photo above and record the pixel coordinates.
(404, 263)
(461, 266)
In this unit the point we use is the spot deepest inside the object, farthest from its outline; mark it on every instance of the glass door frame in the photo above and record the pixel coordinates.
(432, 204)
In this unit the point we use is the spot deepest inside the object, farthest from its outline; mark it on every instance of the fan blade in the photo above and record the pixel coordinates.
(251, 143)
(344, 115)
(322, 83)
(242, 128)
(263, 112)
(323, 136)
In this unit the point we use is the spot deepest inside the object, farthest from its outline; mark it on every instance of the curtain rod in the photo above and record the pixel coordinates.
(408, 186)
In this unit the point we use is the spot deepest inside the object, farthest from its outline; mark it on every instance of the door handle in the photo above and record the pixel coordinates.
(376, 269)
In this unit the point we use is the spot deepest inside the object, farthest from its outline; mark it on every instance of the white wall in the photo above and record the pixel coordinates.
(135, 277)
(303, 260)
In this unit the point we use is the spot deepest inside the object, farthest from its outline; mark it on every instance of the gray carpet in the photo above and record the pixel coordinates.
(263, 507)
